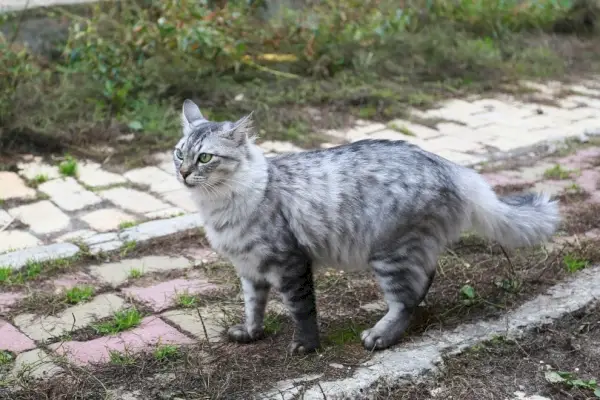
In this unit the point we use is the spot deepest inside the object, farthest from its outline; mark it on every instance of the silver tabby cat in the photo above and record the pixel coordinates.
(385, 205)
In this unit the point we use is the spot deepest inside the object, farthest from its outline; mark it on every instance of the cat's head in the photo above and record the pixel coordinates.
(210, 153)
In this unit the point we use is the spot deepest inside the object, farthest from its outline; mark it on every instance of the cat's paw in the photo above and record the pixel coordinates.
(301, 347)
(374, 340)
(240, 334)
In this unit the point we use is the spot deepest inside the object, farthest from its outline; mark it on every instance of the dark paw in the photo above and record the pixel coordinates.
(240, 334)
(373, 340)
(301, 347)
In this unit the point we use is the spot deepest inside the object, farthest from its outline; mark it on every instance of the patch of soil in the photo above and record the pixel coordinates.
(499, 368)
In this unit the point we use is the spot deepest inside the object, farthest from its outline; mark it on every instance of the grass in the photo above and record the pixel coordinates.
(557, 172)
(5, 357)
(68, 167)
(119, 71)
(186, 300)
(573, 263)
(127, 224)
(166, 352)
(9, 276)
(127, 247)
(121, 321)
(79, 294)
(122, 359)
(135, 273)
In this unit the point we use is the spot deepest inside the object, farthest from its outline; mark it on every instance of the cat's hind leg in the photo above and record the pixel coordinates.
(405, 274)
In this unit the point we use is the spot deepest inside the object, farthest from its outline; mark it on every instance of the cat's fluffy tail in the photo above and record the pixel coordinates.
(513, 221)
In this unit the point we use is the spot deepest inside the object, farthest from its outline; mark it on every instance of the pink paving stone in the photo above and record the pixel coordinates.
(151, 332)
(580, 159)
(588, 180)
(67, 282)
(505, 178)
(202, 255)
(12, 340)
(7, 300)
(164, 295)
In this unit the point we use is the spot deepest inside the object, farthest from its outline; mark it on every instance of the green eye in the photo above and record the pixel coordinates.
(179, 154)
(204, 158)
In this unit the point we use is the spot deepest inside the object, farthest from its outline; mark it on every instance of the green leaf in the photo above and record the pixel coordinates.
(135, 125)
(553, 377)
(597, 393)
(468, 292)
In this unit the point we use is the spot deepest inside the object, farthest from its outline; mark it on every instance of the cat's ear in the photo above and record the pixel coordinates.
(190, 115)
(243, 130)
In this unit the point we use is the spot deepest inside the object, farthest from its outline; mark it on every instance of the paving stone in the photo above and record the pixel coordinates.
(92, 175)
(18, 259)
(388, 134)
(460, 158)
(9, 299)
(69, 281)
(36, 168)
(75, 236)
(16, 240)
(536, 172)
(106, 247)
(101, 238)
(42, 217)
(164, 295)
(45, 327)
(13, 187)
(450, 143)
(167, 213)
(107, 219)
(160, 228)
(586, 91)
(68, 194)
(5, 218)
(580, 159)
(118, 272)
(182, 199)
(505, 178)
(279, 147)
(588, 180)
(523, 396)
(151, 332)
(12, 340)
(420, 131)
(201, 255)
(168, 167)
(35, 364)
(457, 130)
(211, 323)
(158, 180)
(133, 200)
(453, 110)
(551, 187)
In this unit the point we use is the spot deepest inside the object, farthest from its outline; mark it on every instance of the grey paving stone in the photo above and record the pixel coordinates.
(19, 259)
(161, 228)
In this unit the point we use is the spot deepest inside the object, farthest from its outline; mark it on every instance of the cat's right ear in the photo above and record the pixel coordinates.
(190, 115)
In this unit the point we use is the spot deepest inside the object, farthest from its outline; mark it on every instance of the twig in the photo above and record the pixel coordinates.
(6, 225)
(203, 326)
(512, 267)
(322, 391)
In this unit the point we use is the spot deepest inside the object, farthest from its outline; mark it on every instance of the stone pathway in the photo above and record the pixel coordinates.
(51, 218)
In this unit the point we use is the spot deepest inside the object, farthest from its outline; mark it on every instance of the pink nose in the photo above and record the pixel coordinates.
(184, 173)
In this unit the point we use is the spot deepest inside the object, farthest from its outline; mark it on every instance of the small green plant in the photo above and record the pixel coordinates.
(557, 172)
(402, 129)
(342, 335)
(166, 352)
(39, 179)
(272, 323)
(574, 263)
(572, 381)
(5, 275)
(468, 295)
(123, 359)
(68, 167)
(186, 300)
(135, 273)
(32, 269)
(9, 277)
(509, 285)
(121, 321)
(128, 247)
(79, 294)
(5, 357)
(127, 224)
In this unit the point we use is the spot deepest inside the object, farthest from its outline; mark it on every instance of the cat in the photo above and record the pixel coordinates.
(385, 205)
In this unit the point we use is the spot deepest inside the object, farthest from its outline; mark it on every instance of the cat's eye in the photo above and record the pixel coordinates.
(204, 158)
(179, 154)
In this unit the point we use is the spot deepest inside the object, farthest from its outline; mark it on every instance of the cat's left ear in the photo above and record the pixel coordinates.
(190, 116)
(243, 130)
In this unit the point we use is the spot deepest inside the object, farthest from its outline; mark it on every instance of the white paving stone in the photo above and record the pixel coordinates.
(449, 143)
(18, 259)
(117, 273)
(133, 200)
(68, 194)
(76, 236)
(42, 217)
(420, 131)
(168, 213)
(41, 328)
(107, 219)
(92, 175)
(160, 228)
(182, 199)
(5, 218)
(158, 180)
(11, 240)
(34, 364)
(13, 187)
(205, 323)
(37, 168)
(275, 146)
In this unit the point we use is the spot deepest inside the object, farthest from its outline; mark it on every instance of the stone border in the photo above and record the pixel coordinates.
(423, 357)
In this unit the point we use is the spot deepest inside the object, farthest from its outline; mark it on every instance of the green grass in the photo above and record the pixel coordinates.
(121, 321)
(557, 172)
(186, 300)
(31, 271)
(39, 179)
(119, 68)
(342, 335)
(135, 273)
(273, 323)
(127, 247)
(68, 167)
(5, 357)
(127, 224)
(123, 359)
(79, 294)
(574, 263)
(166, 352)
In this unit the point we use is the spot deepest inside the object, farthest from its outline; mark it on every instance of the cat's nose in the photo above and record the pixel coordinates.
(185, 173)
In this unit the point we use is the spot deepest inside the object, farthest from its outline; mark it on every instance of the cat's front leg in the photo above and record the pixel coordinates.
(297, 290)
(256, 294)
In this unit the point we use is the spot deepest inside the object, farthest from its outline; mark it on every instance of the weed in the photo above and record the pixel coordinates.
(127, 247)
(402, 129)
(186, 300)
(166, 352)
(5, 275)
(79, 294)
(272, 323)
(121, 321)
(468, 295)
(574, 263)
(135, 273)
(342, 335)
(571, 380)
(32, 269)
(5, 357)
(123, 359)
(127, 224)
(557, 172)
(39, 179)
(68, 167)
